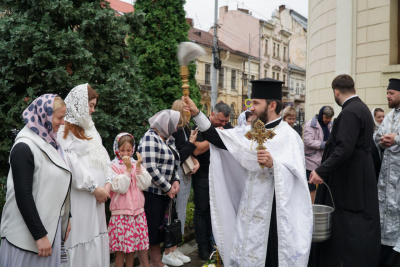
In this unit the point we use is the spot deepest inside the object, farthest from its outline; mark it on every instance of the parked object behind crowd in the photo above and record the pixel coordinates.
(289, 115)
(316, 133)
(35, 219)
(88, 244)
(161, 160)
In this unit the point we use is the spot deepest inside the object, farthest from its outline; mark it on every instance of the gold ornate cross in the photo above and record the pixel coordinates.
(260, 134)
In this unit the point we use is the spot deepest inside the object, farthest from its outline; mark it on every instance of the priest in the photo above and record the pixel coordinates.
(260, 206)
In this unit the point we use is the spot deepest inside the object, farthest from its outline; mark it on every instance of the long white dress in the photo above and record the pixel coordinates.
(241, 196)
(88, 242)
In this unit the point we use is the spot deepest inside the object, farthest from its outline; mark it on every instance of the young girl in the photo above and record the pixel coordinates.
(128, 225)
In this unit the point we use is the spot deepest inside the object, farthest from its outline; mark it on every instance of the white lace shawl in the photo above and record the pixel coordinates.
(77, 102)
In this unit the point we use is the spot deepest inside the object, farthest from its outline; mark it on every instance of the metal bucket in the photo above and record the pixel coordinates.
(322, 217)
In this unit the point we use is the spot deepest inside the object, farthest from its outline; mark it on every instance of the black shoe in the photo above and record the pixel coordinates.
(204, 254)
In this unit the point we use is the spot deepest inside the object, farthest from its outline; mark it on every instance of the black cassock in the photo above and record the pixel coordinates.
(348, 169)
(212, 136)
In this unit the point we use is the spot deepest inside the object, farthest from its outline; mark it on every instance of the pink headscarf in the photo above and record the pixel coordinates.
(38, 117)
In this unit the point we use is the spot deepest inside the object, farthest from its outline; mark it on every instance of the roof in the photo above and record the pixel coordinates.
(206, 38)
(294, 67)
(299, 18)
(120, 7)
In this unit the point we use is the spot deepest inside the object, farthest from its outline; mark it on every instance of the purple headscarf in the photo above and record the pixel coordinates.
(38, 117)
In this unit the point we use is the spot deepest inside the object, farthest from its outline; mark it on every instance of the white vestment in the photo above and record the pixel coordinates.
(241, 196)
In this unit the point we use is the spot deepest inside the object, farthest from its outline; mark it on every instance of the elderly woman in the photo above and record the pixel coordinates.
(161, 159)
(289, 115)
(35, 218)
(316, 133)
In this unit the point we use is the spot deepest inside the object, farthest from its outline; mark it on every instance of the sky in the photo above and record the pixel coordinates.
(202, 11)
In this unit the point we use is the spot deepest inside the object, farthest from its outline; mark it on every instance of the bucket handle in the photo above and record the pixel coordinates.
(333, 203)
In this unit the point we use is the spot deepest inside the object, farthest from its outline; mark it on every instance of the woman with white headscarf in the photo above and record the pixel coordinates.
(88, 244)
(161, 160)
(244, 118)
(378, 114)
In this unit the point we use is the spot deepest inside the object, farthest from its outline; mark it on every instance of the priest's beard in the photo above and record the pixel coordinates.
(263, 116)
(394, 103)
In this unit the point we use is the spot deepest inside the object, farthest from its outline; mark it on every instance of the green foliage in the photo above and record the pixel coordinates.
(41, 40)
(155, 45)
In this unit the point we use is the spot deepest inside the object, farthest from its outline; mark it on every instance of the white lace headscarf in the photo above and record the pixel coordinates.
(77, 102)
(165, 122)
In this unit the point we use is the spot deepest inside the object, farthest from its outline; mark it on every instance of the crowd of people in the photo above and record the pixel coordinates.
(256, 206)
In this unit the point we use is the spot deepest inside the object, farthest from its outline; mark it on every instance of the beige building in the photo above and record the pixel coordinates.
(276, 42)
(232, 77)
(355, 37)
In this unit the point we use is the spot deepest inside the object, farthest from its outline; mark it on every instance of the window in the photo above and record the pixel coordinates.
(277, 76)
(252, 78)
(284, 79)
(274, 51)
(233, 79)
(277, 50)
(284, 53)
(244, 79)
(297, 89)
(266, 47)
(265, 73)
(221, 78)
(273, 75)
(208, 74)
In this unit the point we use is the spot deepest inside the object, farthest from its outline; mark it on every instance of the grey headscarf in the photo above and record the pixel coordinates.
(165, 122)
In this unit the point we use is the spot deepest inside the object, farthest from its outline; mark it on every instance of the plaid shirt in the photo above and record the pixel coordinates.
(159, 161)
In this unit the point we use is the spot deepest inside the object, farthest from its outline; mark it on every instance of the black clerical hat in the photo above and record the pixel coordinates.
(394, 84)
(266, 88)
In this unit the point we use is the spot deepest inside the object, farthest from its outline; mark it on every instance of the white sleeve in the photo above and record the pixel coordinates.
(143, 179)
(121, 183)
(73, 151)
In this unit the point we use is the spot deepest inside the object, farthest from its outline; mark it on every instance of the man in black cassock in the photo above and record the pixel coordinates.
(348, 170)
(253, 238)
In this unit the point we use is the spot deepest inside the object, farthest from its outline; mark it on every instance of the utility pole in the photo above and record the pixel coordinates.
(214, 87)
(248, 75)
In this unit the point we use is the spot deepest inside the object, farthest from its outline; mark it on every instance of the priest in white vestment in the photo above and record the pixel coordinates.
(260, 217)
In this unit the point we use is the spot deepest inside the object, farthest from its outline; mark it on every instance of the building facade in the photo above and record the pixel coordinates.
(232, 78)
(280, 44)
(355, 37)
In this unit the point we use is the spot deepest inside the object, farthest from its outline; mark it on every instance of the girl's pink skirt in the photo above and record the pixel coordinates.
(128, 233)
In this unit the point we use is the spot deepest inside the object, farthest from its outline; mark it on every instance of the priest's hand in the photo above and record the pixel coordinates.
(387, 140)
(265, 158)
(192, 106)
(315, 179)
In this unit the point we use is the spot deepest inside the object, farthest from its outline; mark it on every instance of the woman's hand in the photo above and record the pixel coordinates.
(101, 194)
(107, 187)
(196, 165)
(68, 230)
(171, 193)
(176, 186)
(193, 135)
(128, 163)
(139, 161)
(44, 247)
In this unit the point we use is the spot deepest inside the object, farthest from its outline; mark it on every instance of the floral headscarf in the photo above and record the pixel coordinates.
(118, 157)
(38, 117)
